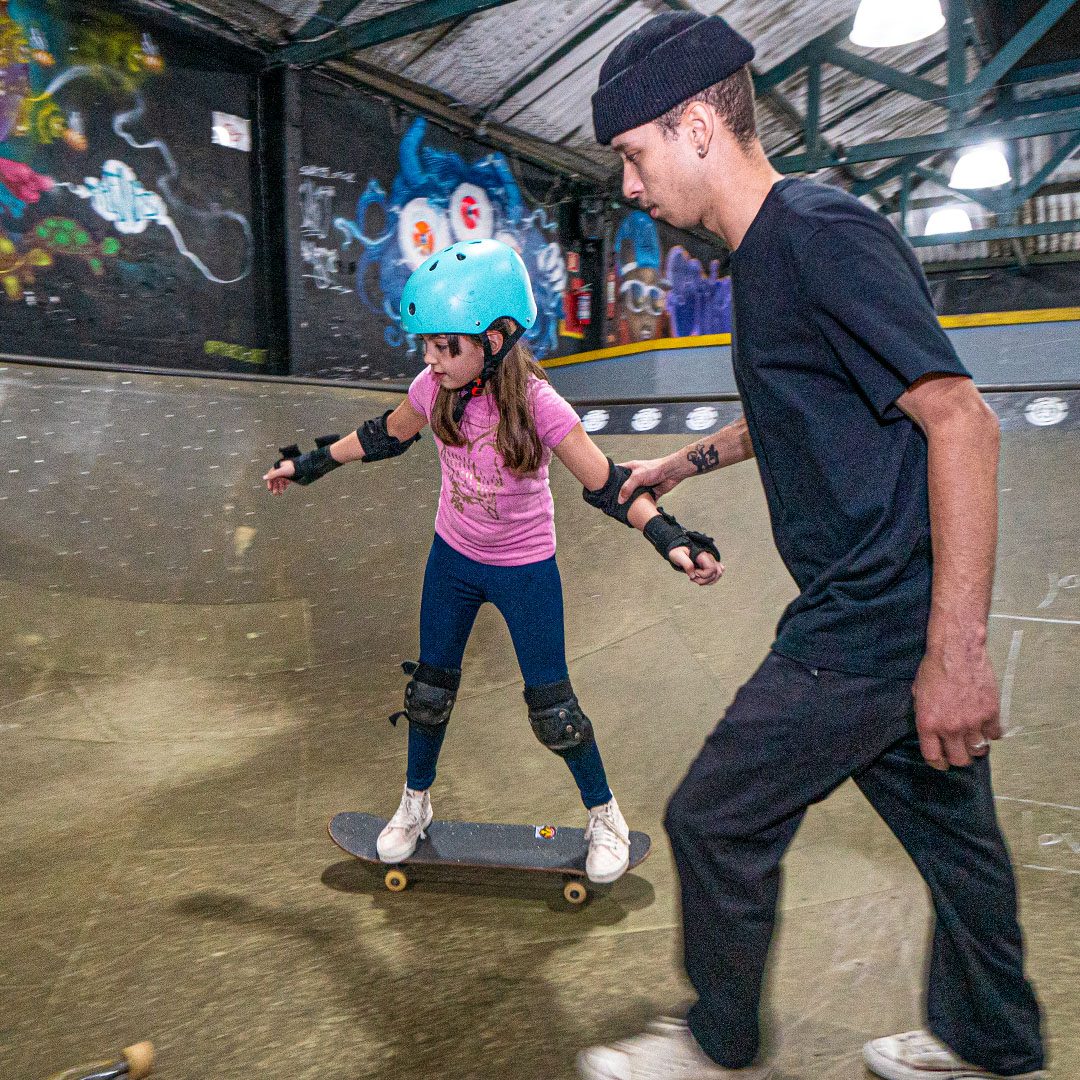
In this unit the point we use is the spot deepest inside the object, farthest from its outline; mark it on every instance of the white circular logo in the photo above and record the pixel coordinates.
(1045, 411)
(704, 416)
(595, 420)
(646, 419)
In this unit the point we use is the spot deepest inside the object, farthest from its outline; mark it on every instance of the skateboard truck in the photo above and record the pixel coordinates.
(137, 1061)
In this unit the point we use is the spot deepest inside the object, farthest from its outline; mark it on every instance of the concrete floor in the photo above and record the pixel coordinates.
(197, 676)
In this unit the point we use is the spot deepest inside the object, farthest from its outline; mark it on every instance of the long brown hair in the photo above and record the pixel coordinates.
(516, 439)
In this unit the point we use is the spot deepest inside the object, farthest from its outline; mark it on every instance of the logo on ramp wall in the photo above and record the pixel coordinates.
(545, 832)
(1046, 411)
(646, 419)
(595, 420)
(701, 418)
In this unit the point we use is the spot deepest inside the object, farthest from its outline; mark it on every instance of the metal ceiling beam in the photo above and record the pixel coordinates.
(1001, 232)
(923, 146)
(955, 97)
(330, 13)
(1013, 51)
(1042, 72)
(866, 103)
(928, 91)
(382, 28)
(1033, 106)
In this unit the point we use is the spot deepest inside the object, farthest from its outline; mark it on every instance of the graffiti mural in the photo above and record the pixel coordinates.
(436, 199)
(104, 221)
(654, 296)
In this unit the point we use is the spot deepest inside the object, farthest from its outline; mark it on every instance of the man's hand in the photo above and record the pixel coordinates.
(707, 572)
(661, 474)
(956, 708)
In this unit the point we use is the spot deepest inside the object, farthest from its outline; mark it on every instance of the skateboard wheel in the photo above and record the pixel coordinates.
(396, 880)
(575, 892)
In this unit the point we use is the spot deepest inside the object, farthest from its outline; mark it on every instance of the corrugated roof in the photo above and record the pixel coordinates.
(479, 60)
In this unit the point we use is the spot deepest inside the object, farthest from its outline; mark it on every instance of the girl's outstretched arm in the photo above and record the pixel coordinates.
(402, 426)
(590, 465)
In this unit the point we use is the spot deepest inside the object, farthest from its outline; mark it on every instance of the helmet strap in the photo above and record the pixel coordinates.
(491, 364)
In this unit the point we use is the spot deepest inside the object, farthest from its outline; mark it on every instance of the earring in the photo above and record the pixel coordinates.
(701, 151)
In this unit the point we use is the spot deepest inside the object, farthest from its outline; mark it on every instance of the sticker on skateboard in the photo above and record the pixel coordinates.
(482, 845)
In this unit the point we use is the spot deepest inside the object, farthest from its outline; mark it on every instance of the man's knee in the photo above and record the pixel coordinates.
(681, 820)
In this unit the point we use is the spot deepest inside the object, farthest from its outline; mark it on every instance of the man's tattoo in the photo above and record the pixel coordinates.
(703, 458)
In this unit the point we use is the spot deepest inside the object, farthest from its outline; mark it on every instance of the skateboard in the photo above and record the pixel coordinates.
(135, 1064)
(542, 848)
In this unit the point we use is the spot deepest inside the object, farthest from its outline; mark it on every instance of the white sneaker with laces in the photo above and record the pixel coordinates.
(399, 837)
(665, 1051)
(918, 1055)
(609, 843)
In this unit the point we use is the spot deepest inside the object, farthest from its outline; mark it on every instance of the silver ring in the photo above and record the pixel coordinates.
(981, 745)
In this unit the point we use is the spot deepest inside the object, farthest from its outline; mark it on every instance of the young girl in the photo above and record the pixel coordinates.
(496, 422)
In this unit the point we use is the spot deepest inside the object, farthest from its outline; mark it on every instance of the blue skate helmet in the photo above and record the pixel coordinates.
(463, 289)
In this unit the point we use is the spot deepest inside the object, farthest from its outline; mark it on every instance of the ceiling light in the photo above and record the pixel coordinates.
(949, 219)
(981, 167)
(880, 24)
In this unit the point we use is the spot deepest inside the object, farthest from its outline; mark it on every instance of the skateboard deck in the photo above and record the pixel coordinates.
(543, 848)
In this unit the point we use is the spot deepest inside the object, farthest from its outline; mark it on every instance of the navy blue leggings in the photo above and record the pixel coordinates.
(529, 598)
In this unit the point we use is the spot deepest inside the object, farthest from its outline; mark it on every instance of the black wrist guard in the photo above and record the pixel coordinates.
(665, 534)
(607, 497)
(310, 466)
(378, 444)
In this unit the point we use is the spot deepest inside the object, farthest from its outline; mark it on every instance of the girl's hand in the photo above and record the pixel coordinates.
(278, 478)
(707, 572)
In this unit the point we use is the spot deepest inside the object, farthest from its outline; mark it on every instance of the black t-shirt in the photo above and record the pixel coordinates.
(832, 323)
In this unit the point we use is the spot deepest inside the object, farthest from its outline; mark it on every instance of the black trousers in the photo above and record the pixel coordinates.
(791, 736)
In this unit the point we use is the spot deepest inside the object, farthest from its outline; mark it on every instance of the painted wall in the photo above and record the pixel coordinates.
(379, 190)
(126, 233)
(664, 284)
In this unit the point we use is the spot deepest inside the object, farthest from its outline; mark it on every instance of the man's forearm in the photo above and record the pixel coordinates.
(962, 476)
(727, 446)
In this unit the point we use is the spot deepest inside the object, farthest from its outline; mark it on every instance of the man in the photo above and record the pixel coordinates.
(874, 449)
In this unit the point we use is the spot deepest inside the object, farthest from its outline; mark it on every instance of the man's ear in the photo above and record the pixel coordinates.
(699, 124)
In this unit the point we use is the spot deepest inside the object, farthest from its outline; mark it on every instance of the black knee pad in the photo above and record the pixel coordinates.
(556, 717)
(429, 697)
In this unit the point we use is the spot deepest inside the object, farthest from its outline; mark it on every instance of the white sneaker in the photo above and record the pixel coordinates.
(666, 1051)
(918, 1055)
(399, 837)
(609, 843)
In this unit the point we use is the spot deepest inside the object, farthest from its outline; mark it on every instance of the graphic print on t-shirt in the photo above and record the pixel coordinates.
(474, 473)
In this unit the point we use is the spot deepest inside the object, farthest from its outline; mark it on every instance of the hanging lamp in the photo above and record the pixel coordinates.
(948, 219)
(982, 166)
(882, 24)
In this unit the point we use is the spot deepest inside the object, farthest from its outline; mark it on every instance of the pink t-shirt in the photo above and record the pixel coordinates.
(486, 511)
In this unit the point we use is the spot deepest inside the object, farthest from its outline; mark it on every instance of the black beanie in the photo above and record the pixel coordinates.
(671, 58)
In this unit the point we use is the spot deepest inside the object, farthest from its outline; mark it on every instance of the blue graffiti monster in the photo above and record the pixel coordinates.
(437, 199)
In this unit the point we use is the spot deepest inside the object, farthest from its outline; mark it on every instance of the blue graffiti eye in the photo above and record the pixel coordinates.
(433, 265)
(461, 258)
